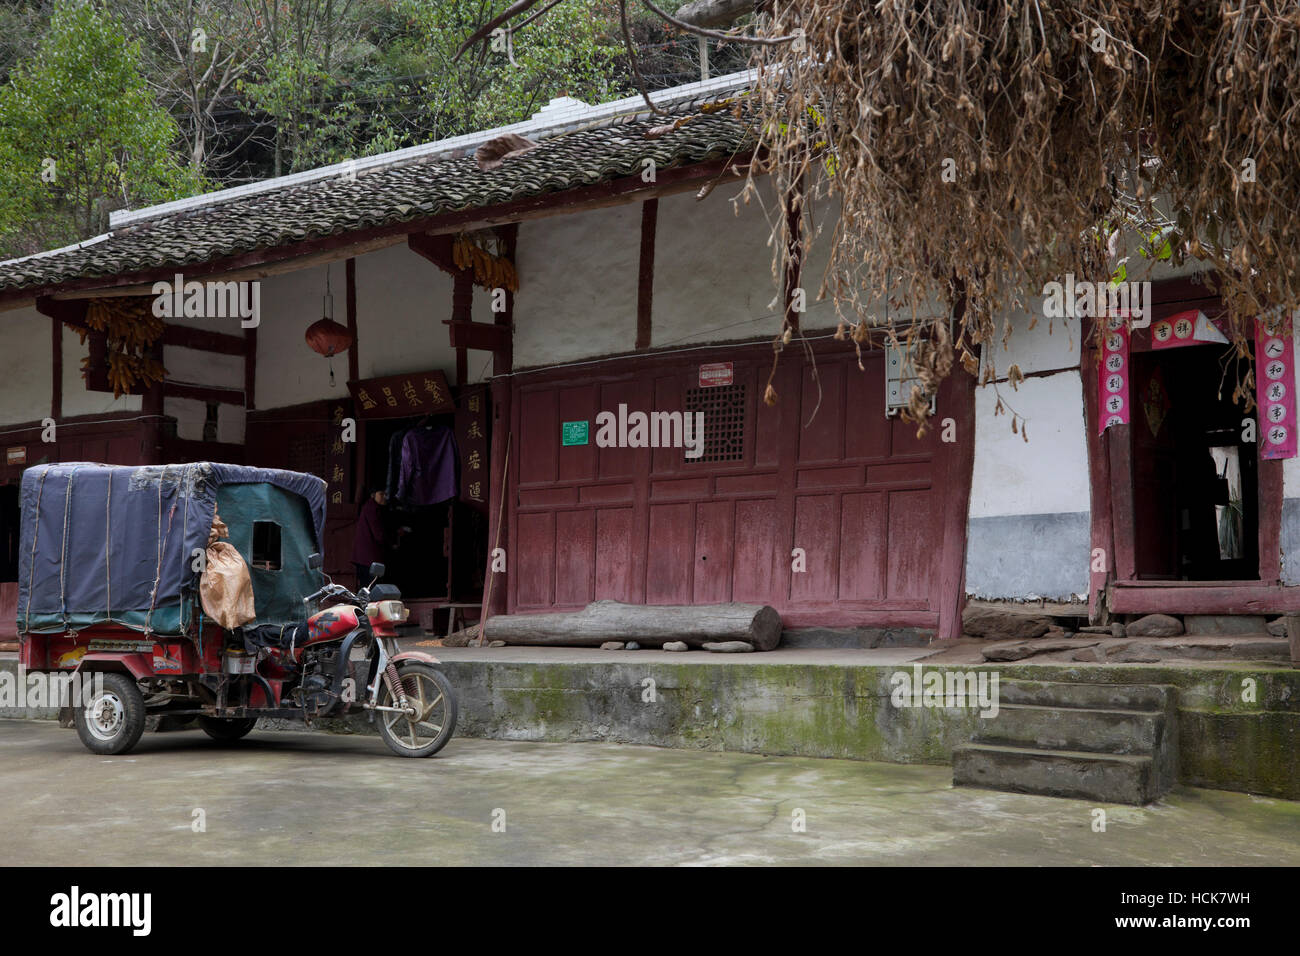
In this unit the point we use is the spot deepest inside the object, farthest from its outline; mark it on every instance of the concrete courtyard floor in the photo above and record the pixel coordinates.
(299, 798)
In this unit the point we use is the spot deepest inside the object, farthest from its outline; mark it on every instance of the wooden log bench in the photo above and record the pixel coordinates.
(650, 624)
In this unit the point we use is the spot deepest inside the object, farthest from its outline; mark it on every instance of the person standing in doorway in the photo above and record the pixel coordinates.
(371, 541)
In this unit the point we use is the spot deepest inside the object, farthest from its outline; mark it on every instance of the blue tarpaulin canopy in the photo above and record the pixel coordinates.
(118, 543)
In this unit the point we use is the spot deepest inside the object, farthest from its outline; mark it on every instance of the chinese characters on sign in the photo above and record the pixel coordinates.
(1275, 387)
(400, 396)
(716, 374)
(337, 460)
(472, 443)
(1113, 375)
(1192, 327)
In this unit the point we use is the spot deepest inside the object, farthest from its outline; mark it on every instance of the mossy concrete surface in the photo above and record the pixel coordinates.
(1240, 723)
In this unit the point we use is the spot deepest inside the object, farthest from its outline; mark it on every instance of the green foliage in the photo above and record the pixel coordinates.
(569, 51)
(81, 135)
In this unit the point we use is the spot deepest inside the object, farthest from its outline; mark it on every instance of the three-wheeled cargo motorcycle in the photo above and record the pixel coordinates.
(112, 566)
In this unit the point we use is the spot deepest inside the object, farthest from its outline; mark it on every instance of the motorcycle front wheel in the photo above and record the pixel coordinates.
(428, 730)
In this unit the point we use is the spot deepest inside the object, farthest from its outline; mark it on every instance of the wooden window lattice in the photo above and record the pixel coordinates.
(724, 421)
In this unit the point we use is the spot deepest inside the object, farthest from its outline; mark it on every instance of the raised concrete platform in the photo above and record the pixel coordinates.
(1239, 723)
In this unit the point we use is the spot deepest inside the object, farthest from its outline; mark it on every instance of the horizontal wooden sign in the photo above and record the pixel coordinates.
(400, 396)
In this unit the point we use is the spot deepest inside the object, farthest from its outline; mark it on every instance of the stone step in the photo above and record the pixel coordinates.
(1074, 729)
(1109, 778)
(1145, 697)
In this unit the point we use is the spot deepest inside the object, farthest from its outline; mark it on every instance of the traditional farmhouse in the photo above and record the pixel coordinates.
(551, 323)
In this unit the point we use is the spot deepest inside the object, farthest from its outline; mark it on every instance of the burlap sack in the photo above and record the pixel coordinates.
(225, 587)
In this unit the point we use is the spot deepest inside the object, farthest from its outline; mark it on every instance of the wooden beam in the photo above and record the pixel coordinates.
(293, 256)
(183, 336)
(1196, 598)
(499, 500)
(646, 277)
(478, 336)
(462, 314)
(250, 368)
(437, 249)
(794, 253)
(56, 399)
(1101, 530)
(203, 393)
(354, 360)
(504, 358)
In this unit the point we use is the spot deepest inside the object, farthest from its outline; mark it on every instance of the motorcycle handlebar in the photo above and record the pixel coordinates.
(328, 590)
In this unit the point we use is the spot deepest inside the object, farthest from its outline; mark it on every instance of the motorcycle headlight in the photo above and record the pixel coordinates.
(390, 611)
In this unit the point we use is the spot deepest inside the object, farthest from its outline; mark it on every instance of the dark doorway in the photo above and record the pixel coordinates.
(1195, 477)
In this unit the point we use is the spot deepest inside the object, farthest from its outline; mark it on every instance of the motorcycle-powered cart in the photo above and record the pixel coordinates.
(111, 563)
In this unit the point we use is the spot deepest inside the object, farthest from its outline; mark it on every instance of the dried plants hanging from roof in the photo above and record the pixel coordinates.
(978, 150)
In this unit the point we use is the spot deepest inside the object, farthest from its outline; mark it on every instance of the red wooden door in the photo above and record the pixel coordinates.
(878, 514)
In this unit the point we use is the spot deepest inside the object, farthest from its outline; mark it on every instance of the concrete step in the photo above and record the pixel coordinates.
(1108, 778)
(1075, 729)
(1143, 697)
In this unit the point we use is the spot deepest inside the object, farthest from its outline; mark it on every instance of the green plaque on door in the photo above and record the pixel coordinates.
(575, 433)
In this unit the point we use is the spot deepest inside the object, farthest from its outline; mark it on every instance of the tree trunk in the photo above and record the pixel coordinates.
(714, 13)
(652, 625)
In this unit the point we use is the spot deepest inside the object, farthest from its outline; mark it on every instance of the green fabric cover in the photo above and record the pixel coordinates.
(277, 595)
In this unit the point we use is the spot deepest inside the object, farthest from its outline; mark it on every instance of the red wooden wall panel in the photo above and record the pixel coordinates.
(874, 508)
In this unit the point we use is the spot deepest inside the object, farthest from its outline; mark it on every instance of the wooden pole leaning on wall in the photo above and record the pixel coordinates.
(501, 515)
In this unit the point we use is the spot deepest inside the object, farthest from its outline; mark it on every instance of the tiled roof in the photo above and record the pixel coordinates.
(401, 190)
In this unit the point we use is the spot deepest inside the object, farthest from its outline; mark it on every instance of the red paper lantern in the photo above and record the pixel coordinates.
(328, 337)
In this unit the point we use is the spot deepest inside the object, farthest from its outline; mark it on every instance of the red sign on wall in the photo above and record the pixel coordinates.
(717, 373)
(1275, 387)
(1192, 327)
(1113, 376)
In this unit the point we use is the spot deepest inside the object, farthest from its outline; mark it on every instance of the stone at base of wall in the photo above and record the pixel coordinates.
(1023, 556)
(856, 637)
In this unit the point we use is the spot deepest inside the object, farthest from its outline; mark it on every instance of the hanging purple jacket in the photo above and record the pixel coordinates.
(430, 461)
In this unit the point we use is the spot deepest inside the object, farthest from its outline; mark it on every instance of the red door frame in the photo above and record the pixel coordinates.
(953, 464)
(1110, 467)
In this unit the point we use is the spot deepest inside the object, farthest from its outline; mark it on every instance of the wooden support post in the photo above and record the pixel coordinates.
(351, 300)
(794, 253)
(646, 276)
(1293, 635)
(462, 309)
(496, 590)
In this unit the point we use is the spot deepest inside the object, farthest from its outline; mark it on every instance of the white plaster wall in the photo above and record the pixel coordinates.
(197, 367)
(1048, 345)
(190, 414)
(713, 269)
(402, 300)
(288, 372)
(26, 372)
(230, 424)
(76, 399)
(577, 286)
(1048, 473)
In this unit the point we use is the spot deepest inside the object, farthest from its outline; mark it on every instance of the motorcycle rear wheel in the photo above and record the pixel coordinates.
(435, 721)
